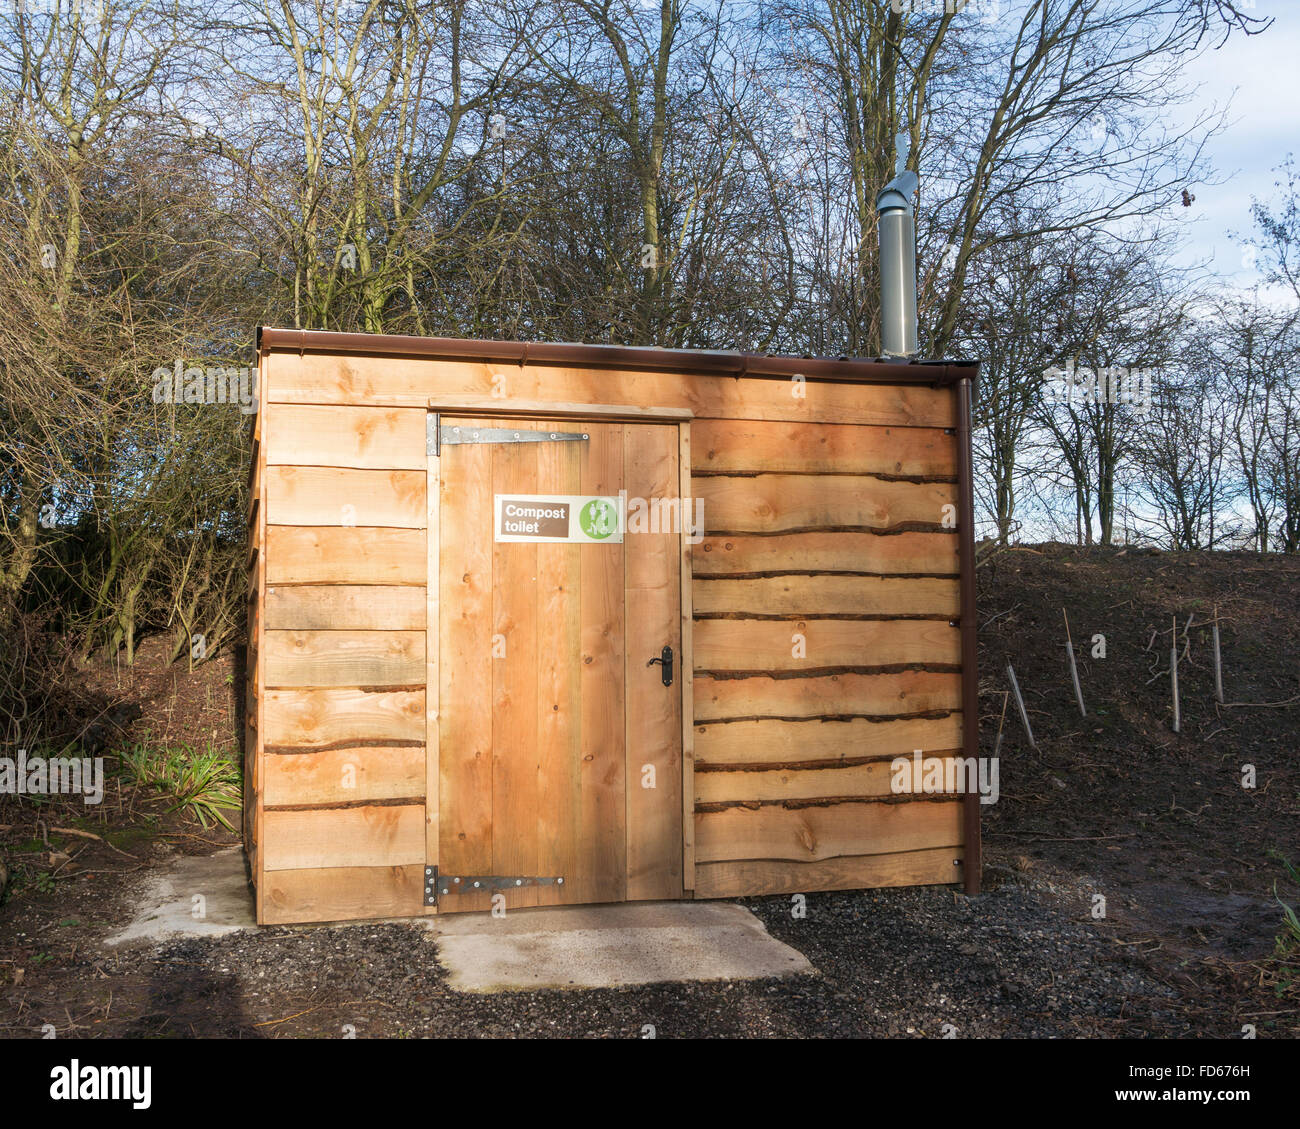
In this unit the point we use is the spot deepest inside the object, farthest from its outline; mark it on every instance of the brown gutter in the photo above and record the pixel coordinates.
(972, 853)
(705, 362)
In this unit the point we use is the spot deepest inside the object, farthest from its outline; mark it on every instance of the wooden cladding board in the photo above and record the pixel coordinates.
(831, 695)
(359, 437)
(785, 503)
(330, 496)
(315, 718)
(317, 378)
(815, 644)
(345, 607)
(347, 775)
(342, 893)
(319, 659)
(823, 831)
(740, 446)
(346, 556)
(747, 877)
(367, 835)
(827, 595)
(776, 741)
(923, 554)
(874, 779)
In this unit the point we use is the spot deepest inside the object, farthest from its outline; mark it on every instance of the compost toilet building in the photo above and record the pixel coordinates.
(580, 623)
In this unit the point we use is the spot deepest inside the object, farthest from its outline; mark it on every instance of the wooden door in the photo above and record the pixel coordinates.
(558, 747)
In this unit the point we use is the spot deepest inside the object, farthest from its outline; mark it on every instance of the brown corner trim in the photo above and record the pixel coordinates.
(972, 853)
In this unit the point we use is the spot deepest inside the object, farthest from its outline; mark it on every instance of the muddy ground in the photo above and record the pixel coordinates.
(1114, 805)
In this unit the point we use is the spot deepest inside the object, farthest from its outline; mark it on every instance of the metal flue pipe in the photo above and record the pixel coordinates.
(897, 266)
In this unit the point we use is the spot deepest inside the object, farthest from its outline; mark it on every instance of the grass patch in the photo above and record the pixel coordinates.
(204, 785)
(128, 838)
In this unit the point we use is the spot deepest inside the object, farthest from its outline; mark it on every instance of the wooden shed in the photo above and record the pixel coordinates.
(593, 624)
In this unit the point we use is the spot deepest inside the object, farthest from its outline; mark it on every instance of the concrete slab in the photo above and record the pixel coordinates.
(609, 946)
(166, 905)
(561, 947)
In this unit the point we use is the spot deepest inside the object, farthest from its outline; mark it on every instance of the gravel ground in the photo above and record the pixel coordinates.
(1022, 960)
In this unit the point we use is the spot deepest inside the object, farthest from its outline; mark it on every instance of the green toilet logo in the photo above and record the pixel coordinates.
(598, 519)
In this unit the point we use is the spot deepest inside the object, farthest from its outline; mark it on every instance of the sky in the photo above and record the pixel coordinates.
(1259, 79)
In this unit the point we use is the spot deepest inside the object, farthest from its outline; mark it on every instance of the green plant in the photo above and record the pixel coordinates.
(1286, 949)
(203, 784)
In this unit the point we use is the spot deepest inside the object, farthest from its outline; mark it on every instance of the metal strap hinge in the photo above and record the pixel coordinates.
(439, 435)
(438, 885)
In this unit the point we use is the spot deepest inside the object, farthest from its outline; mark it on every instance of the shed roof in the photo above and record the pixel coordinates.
(848, 370)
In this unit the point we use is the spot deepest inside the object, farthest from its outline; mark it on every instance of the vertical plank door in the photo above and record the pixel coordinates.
(558, 745)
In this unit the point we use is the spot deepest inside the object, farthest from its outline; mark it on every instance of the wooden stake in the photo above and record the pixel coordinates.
(1173, 676)
(1074, 670)
(1218, 666)
(1020, 705)
(997, 744)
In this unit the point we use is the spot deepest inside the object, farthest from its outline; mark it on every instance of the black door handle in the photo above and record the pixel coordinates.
(665, 659)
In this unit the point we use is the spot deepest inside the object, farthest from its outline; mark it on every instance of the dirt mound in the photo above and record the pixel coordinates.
(1162, 823)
